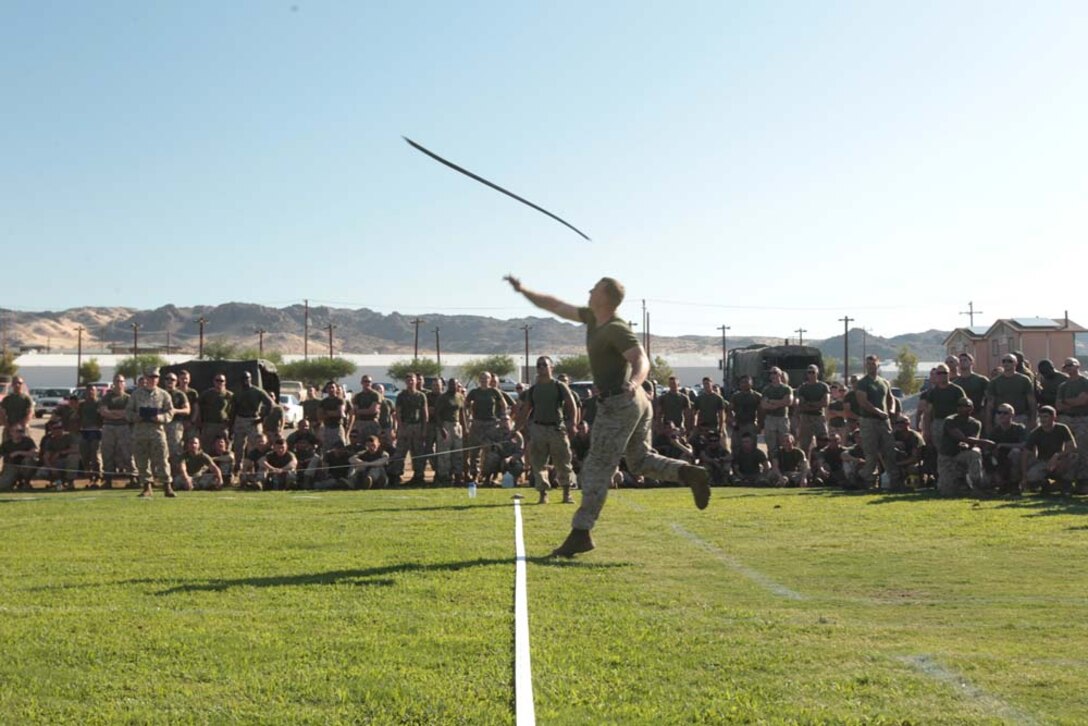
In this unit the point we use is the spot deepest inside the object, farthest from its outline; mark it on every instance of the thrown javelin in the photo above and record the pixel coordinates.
(496, 187)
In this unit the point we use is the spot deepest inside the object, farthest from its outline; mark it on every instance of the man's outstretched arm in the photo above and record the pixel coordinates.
(547, 302)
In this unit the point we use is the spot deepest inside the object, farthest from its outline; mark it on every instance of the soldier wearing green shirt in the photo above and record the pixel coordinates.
(1014, 388)
(743, 414)
(485, 405)
(116, 433)
(942, 401)
(367, 405)
(874, 397)
(622, 429)
(1072, 406)
(710, 408)
(247, 416)
(674, 407)
(16, 407)
(813, 396)
(777, 398)
(411, 415)
(449, 411)
(549, 415)
(973, 384)
(90, 435)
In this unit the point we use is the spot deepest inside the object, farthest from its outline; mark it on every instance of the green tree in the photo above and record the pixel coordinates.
(90, 372)
(423, 366)
(499, 365)
(134, 366)
(660, 371)
(222, 349)
(831, 368)
(907, 380)
(316, 371)
(575, 366)
(8, 367)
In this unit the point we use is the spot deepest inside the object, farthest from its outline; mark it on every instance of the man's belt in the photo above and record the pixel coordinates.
(606, 393)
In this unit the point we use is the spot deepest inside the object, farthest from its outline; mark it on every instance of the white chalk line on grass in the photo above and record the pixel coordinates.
(739, 567)
(524, 710)
(928, 666)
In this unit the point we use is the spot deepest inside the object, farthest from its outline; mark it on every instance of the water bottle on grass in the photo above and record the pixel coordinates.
(472, 490)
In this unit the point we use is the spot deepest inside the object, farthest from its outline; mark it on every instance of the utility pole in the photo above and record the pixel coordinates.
(417, 322)
(801, 335)
(526, 328)
(306, 332)
(79, 352)
(846, 320)
(724, 328)
(645, 327)
(971, 313)
(201, 322)
(168, 341)
(438, 348)
(865, 342)
(260, 341)
(330, 327)
(135, 339)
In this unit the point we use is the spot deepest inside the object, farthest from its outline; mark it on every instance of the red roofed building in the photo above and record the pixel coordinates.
(1037, 338)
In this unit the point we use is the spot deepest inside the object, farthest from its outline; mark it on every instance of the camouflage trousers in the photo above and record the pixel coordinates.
(878, 443)
(950, 470)
(63, 469)
(810, 426)
(409, 441)
(90, 451)
(480, 435)
(622, 430)
(1079, 426)
(447, 463)
(775, 429)
(175, 440)
(150, 450)
(116, 450)
(244, 436)
(549, 442)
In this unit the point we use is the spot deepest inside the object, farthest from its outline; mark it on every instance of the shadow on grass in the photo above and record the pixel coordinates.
(443, 508)
(1048, 505)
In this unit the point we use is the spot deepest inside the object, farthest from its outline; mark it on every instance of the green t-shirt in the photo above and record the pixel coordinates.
(114, 401)
(89, 415)
(447, 407)
(673, 407)
(745, 406)
(709, 405)
(250, 402)
(410, 406)
(196, 464)
(1071, 389)
(547, 399)
(1047, 443)
(486, 403)
(813, 393)
(876, 390)
(789, 460)
(1014, 390)
(55, 445)
(364, 400)
(215, 407)
(943, 400)
(966, 425)
(974, 386)
(179, 400)
(835, 410)
(777, 392)
(606, 343)
(17, 407)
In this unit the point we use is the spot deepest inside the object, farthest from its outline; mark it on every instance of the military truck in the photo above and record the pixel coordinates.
(757, 360)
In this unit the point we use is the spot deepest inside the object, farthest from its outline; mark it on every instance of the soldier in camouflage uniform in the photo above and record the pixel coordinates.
(150, 408)
(175, 430)
(1072, 400)
(116, 432)
(622, 429)
(247, 419)
(549, 414)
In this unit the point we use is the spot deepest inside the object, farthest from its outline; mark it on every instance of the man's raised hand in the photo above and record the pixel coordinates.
(514, 282)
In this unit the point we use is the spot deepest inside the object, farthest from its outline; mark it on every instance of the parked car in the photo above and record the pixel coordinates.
(292, 410)
(295, 388)
(47, 399)
(582, 389)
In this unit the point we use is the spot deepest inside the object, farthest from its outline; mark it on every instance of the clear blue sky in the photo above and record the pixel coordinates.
(764, 165)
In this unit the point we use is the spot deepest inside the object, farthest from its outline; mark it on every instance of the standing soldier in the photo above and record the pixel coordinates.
(149, 409)
(311, 409)
(250, 406)
(215, 407)
(16, 407)
(973, 384)
(874, 397)
(485, 405)
(367, 404)
(430, 442)
(673, 407)
(624, 416)
(1013, 388)
(449, 416)
(333, 411)
(549, 414)
(710, 408)
(116, 432)
(814, 396)
(193, 395)
(90, 435)
(1072, 399)
(777, 398)
(175, 429)
(743, 412)
(411, 417)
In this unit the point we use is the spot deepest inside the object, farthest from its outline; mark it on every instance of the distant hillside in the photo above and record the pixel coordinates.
(366, 331)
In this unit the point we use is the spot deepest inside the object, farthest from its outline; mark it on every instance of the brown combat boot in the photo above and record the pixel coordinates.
(567, 498)
(698, 479)
(543, 496)
(577, 541)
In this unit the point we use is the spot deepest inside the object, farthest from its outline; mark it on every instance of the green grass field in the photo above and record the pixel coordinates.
(397, 607)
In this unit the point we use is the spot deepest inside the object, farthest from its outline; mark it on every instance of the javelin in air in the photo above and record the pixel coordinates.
(494, 186)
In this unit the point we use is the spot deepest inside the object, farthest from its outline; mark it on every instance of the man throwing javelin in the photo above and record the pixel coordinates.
(622, 428)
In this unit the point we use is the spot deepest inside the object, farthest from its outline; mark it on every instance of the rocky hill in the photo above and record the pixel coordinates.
(366, 331)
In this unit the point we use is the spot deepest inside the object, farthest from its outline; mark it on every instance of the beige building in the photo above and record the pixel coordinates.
(1036, 338)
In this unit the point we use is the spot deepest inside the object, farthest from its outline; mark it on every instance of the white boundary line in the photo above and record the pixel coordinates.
(955, 680)
(524, 711)
(739, 567)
